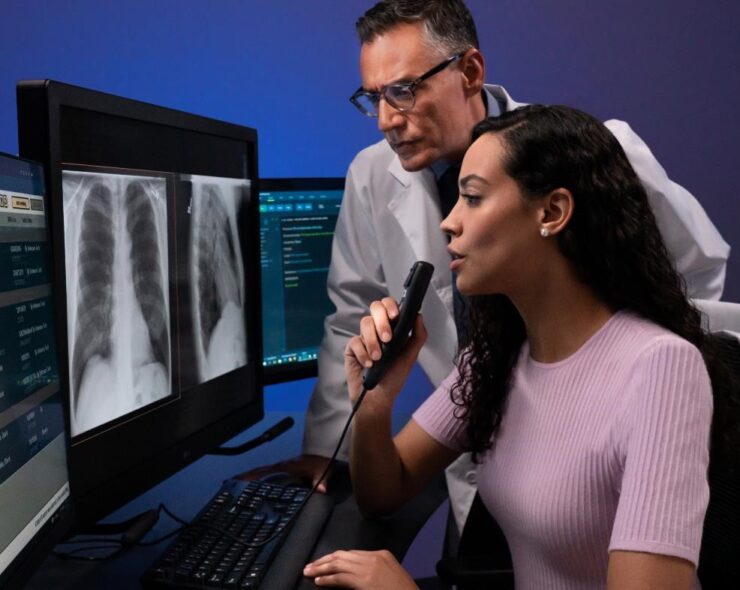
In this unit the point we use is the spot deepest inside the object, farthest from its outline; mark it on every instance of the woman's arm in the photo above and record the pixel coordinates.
(387, 471)
(632, 570)
(656, 536)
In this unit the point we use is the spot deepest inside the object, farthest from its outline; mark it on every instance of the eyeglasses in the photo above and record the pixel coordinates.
(401, 97)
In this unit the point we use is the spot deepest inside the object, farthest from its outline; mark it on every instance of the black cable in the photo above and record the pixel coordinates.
(119, 546)
(332, 460)
(257, 545)
(355, 407)
(183, 525)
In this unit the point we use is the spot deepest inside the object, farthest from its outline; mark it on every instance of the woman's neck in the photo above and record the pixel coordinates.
(560, 314)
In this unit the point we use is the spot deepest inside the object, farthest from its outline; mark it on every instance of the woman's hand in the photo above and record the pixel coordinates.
(361, 351)
(360, 570)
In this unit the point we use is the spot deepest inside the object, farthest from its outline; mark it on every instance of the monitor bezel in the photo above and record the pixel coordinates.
(124, 466)
(26, 563)
(275, 374)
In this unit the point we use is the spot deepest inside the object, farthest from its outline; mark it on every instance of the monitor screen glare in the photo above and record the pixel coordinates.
(33, 470)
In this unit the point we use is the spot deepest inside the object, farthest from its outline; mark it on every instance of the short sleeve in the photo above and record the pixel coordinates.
(667, 419)
(436, 416)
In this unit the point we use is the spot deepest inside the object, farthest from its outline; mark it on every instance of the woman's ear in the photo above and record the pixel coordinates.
(556, 209)
(474, 71)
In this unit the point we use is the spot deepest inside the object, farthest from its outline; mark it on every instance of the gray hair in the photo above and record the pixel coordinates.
(448, 24)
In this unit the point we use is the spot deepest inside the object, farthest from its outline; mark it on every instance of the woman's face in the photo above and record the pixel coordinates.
(494, 231)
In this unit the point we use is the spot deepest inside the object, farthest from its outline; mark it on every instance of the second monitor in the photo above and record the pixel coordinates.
(154, 219)
(297, 220)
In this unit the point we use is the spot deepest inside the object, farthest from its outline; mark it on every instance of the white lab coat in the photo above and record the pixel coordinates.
(390, 218)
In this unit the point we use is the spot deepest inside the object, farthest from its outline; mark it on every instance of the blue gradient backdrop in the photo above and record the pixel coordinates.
(668, 67)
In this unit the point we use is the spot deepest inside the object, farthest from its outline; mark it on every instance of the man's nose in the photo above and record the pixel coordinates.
(388, 117)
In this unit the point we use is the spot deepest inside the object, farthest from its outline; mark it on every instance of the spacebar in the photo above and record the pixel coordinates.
(287, 566)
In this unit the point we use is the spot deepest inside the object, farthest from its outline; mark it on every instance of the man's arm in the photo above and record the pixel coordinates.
(697, 248)
(355, 279)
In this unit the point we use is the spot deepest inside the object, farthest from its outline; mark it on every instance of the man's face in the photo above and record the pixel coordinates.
(438, 126)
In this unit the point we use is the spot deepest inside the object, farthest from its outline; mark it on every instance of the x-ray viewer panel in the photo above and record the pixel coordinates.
(118, 305)
(214, 333)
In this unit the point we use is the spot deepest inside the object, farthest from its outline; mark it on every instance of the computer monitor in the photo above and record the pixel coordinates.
(297, 220)
(34, 486)
(154, 227)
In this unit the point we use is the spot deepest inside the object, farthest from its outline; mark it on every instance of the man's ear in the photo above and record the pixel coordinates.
(474, 71)
(556, 210)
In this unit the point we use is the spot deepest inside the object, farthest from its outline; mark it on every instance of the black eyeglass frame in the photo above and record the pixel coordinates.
(410, 87)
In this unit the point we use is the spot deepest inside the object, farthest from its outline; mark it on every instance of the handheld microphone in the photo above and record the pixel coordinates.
(415, 287)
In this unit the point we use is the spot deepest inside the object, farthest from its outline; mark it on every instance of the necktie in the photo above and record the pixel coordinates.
(448, 193)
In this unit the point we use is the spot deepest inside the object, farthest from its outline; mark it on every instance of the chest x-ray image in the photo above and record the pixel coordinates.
(216, 274)
(115, 234)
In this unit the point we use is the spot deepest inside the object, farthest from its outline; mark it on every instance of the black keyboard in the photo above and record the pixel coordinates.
(202, 556)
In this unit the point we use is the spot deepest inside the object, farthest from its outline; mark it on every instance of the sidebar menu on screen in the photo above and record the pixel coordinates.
(30, 408)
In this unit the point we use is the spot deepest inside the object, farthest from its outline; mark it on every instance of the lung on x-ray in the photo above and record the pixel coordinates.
(118, 311)
(216, 274)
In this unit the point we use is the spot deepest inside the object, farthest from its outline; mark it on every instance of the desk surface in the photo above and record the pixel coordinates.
(186, 492)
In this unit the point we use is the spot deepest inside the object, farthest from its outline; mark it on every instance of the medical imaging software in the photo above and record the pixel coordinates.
(118, 308)
(218, 340)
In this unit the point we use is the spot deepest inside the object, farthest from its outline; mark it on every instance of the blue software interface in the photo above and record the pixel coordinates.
(33, 470)
(296, 232)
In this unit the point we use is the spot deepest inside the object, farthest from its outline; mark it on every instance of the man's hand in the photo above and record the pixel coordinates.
(308, 468)
(360, 570)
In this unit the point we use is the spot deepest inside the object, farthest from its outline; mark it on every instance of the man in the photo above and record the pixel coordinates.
(423, 78)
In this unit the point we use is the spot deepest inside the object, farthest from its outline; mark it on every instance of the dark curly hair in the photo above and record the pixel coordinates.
(449, 24)
(612, 241)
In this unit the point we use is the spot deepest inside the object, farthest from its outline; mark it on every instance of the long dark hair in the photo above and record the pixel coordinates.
(612, 241)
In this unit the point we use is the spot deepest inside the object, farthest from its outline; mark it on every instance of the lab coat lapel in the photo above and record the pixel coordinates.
(420, 221)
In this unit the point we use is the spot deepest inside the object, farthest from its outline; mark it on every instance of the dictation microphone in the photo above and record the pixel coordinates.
(415, 287)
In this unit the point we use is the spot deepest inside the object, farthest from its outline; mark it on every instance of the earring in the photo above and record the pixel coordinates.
(544, 232)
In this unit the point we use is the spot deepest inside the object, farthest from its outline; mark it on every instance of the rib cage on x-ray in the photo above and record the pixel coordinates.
(217, 277)
(95, 283)
(216, 261)
(115, 248)
(146, 269)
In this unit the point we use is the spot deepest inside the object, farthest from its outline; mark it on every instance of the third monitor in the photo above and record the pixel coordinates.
(297, 221)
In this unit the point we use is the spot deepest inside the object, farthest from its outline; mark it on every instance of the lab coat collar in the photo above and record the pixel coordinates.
(419, 221)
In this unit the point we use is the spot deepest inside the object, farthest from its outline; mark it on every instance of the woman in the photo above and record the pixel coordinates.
(582, 391)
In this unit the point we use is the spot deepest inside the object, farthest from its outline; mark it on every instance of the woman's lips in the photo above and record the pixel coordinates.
(457, 260)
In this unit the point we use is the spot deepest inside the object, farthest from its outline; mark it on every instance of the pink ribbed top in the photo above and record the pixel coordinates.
(605, 450)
